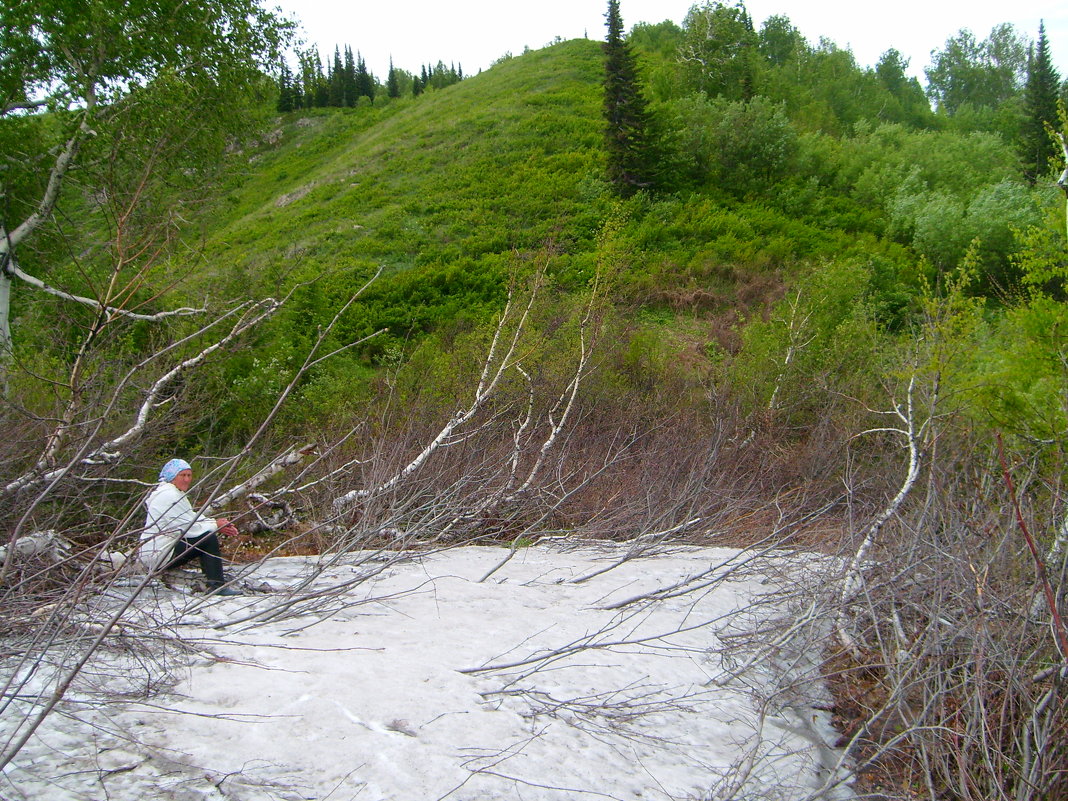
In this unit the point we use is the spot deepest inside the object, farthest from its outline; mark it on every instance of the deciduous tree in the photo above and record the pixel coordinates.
(85, 63)
(720, 50)
(986, 73)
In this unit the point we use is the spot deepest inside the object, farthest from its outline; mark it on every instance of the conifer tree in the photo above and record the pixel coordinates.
(285, 89)
(365, 82)
(321, 88)
(627, 138)
(297, 93)
(1037, 148)
(392, 84)
(336, 80)
(311, 77)
(349, 86)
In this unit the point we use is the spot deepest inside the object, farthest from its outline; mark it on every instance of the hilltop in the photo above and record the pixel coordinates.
(451, 180)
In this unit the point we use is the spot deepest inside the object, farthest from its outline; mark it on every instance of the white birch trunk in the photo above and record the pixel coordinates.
(854, 576)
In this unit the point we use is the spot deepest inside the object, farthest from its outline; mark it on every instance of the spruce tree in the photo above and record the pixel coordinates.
(627, 137)
(336, 80)
(285, 89)
(309, 78)
(392, 85)
(349, 86)
(365, 82)
(297, 93)
(1037, 148)
(321, 98)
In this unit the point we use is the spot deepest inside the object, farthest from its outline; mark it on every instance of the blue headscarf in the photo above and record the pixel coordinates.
(173, 468)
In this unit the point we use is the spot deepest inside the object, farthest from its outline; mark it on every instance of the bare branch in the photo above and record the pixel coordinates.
(109, 452)
(291, 457)
(493, 369)
(14, 270)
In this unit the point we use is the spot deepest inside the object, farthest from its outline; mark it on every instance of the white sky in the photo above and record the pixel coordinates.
(475, 33)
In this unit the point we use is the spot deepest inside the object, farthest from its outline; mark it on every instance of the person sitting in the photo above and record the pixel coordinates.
(175, 534)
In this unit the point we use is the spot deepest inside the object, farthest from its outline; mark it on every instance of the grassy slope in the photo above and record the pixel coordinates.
(453, 179)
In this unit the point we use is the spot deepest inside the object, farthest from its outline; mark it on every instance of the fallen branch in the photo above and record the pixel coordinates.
(492, 372)
(291, 457)
(12, 268)
(109, 452)
(854, 575)
(1060, 636)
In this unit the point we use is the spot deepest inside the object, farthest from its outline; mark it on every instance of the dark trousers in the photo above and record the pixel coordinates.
(206, 548)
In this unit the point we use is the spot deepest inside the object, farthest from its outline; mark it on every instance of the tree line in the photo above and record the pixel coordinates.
(347, 80)
(655, 77)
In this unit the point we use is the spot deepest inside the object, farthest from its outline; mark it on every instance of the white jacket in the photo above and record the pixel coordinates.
(170, 517)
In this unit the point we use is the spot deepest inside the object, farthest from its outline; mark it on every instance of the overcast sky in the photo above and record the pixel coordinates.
(475, 33)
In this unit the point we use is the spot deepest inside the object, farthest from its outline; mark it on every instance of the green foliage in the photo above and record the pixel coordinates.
(1038, 149)
(878, 162)
(719, 50)
(823, 88)
(1042, 259)
(943, 227)
(26, 141)
(1023, 371)
(452, 191)
(1009, 369)
(780, 43)
(133, 104)
(907, 102)
(1003, 372)
(656, 47)
(742, 147)
(822, 335)
(982, 74)
(74, 54)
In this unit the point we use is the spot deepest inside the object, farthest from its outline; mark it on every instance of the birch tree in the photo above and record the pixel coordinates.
(80, 67)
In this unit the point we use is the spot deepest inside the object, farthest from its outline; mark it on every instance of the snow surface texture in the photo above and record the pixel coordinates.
(421, 682)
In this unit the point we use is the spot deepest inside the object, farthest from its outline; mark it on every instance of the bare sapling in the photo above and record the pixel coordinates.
(501, 358)
(914, 435)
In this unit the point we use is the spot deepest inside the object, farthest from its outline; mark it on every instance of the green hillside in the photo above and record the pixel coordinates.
(455, 180)
(509, 159)
(759, 218)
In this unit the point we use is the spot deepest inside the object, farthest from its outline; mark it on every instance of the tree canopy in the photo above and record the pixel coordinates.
(82, 70)
(977, 73)
(66, 54)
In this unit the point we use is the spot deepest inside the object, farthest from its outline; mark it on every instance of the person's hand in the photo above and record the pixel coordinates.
(225, 527)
